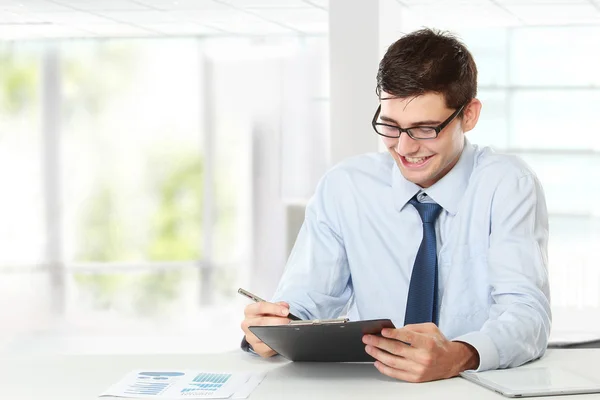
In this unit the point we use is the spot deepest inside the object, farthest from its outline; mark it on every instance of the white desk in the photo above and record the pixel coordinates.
(83, 377)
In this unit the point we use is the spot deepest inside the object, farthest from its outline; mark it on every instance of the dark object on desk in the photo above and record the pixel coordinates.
(245, 345)
(321, 341)
(574, 340)
(584, 344)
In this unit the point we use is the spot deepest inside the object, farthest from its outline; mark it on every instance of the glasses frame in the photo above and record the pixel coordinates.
(437, 129)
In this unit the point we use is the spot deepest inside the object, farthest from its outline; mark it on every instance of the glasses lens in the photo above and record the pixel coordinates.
(423, 132)
(385, 130)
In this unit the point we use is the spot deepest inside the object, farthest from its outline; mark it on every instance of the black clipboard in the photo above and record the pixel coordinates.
(321, 340)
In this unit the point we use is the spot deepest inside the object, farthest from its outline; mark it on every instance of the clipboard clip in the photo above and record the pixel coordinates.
(320, 321)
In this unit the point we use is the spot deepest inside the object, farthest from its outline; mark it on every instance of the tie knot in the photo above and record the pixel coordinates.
(428, 211)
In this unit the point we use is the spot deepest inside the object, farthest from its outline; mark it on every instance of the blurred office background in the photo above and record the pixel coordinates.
(155, 155)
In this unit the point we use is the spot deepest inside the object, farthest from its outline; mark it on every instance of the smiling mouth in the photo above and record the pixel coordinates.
(414, 161)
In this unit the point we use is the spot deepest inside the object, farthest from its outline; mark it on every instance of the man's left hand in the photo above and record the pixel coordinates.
(430, 356)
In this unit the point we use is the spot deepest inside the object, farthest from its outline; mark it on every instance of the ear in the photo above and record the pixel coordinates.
(471, 115)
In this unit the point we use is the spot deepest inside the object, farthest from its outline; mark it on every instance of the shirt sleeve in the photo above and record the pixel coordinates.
(247, 347)
(316, 279)
(519, 321)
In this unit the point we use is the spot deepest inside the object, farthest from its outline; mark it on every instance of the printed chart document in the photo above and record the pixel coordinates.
(185, 384)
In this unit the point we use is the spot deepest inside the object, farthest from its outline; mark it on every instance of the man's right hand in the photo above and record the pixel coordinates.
(264, 313)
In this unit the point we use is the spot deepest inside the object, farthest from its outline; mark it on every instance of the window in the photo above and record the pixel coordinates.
(142, 181)
(540, 94)
(22, 229)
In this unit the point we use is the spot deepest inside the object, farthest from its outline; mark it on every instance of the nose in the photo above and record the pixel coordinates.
(407, 145)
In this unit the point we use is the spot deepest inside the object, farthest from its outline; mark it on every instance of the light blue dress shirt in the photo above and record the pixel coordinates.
(360, 238)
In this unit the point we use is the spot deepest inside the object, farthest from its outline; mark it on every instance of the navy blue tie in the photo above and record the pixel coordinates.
(421, 305)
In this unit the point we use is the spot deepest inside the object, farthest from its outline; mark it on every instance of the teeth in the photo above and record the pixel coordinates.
(415, 160)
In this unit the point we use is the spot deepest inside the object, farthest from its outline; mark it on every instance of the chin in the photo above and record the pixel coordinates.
(423, 179)
(417, 179)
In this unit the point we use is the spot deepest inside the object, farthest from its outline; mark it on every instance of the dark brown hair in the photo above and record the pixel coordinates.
(428, 61)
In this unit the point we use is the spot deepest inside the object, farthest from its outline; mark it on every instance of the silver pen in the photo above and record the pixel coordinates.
(257, 299)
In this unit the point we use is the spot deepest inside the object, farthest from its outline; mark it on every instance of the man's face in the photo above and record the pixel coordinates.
(423, 162)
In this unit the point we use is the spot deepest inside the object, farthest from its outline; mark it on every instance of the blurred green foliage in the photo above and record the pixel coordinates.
(93, 74)
(102, 239)
(19, 81)
(176, 225)
(175, 235)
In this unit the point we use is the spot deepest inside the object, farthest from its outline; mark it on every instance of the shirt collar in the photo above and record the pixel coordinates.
(446, 192)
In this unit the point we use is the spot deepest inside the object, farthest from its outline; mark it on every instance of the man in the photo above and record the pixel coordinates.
(447, 239)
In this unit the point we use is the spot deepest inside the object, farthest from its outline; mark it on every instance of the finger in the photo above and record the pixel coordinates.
(427, 327)
(398, 374)
(392, 346)
(261, 349)
(257, 345)
(415, 339)
(262, 321)
(392, 360)
(420, 355)
(266, 308)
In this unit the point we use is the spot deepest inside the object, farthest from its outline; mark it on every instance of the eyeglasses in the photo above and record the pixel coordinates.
(417, 132)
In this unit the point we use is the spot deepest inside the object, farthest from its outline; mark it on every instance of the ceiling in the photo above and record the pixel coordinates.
(21, 19)
(32, 19)
(486, 13)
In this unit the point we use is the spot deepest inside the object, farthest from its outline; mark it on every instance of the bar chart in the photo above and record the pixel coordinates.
(205, 384)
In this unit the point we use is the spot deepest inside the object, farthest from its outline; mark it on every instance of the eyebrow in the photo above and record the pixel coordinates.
(418, 123)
